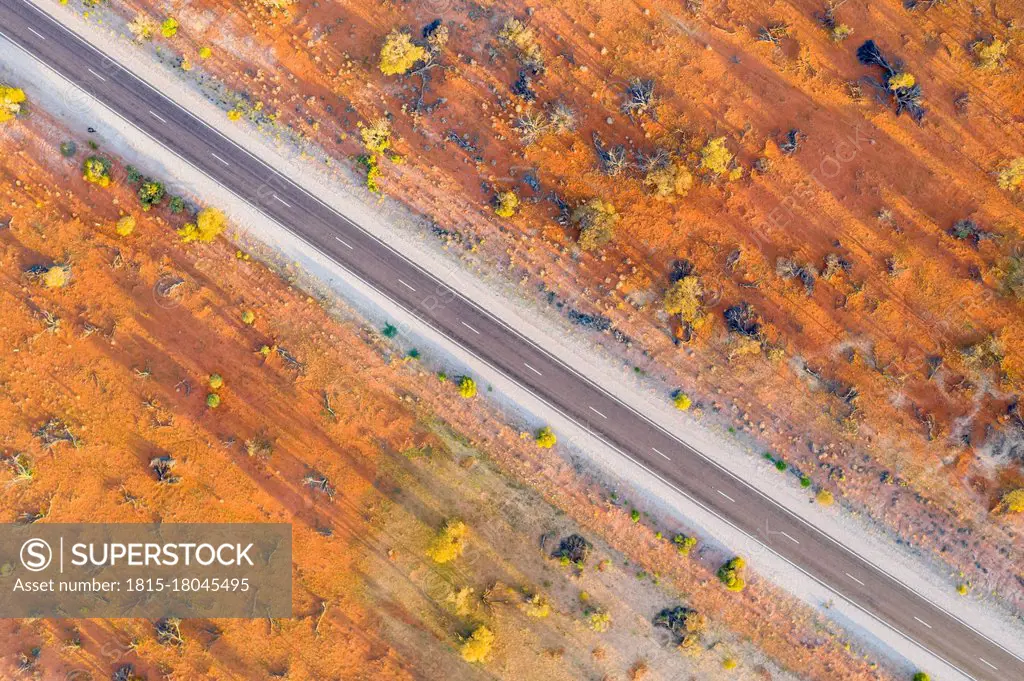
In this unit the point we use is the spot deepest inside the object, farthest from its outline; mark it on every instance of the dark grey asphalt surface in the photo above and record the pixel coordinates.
(819, 557)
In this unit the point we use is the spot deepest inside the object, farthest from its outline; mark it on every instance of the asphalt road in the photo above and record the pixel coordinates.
(646, 443)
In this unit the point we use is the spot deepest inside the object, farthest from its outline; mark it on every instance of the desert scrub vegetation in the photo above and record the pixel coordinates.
(989, 54)
(96, 170)
(545, 438)
(523, 39)
(716, 161)
(597, 619)
(731, 574)
(125, 225)
(151, 193)
(901, 85)
(1012, 502)
(11, 99)
(505, 204)
(596, 220)
(687, 625)
(398, 54)
(377, 141)
(684, 298)
(1011, 176)
(467, 387)
(477, 646)
(684, 544)
(209, 224)
(681, 401)
(640, 100)
(665, 176)
(1010, 273)
(837, 32)
(573, 550)
(449, 542)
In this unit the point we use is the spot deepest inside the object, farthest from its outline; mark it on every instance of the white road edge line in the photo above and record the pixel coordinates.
(406, 285)
(344, 243)
(789, 538)
(596, 412)
(881, 571)
(726, 495)
(989, 663)
(532, 369)
(659, 453)
(282, 201)
(469, 327)
(923, 622)
(854, 578)
(158, 117)
(219, 158)
(96, 74)
(37, 33)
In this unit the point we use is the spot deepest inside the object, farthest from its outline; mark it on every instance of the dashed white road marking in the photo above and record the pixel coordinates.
(659, 453)
(597, 412)
(282, 201)
(854, 578)
(923, 622)
(989, 663)
(469, 327)
(219, 158)
(343, 243)
(406, 285)
(36, 32)
(789, 538)
(532, 369)
(726, 495)
(96, 74)
(157, 116)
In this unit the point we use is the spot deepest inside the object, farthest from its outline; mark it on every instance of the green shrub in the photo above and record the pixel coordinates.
(467, 387)
(731, 574)
(684, 544)
(216, 381)
(213, 400)
(151, 193)
(389, 330)
(545, 438)
(449, 543)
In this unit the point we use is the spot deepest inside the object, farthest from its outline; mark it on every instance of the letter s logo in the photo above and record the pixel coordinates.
(36, 555)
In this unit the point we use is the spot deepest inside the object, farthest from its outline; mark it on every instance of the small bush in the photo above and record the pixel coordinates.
(169, 28)
(389, 330)
(125, 226)
(598, 620)
(921, 676)
(716, 160)
(684, 544)
(1012, 502)
(56, 276)
(684, 299)
(596, 220)
(216, 381)
(68, 149)
(176, 204)
(634, 515)
(545, 438)
(731, 574)
(132, 174)
(11, 99)
(477, 647)
(213, 400)
(781, 466)
(467, 387)
(208, 225)
(990, 54)
(537, 606)
(398, 54)
(522, 37)
(574, 549)
(1011, 176)
(805, 482)
(205, 52)
(505, 204)
(376, 136)
(248, 317)
(682, 401)
(729, 663)
(151, 193)
(96, 169)
(825, 498)
(449, 543)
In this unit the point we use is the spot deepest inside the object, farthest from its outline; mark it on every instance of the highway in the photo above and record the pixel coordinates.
(646, 443)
